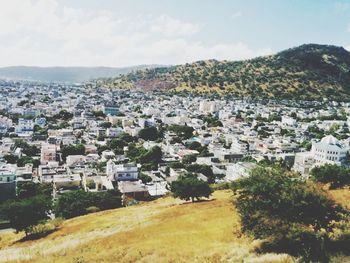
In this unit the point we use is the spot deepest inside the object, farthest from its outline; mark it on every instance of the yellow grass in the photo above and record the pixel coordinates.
(342, 196)
(166, 230)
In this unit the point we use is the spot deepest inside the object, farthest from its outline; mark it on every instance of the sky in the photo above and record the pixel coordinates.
(121, 33)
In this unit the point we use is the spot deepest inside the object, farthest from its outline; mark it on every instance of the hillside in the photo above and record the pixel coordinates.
(305, 72)
(64, 74)
(166, 230)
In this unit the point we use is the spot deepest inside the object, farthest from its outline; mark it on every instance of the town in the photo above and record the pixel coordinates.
(87, 137)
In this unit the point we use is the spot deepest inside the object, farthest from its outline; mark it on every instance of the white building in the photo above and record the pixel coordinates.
(208, 106)
(329, 150)
(237, 170)
(121, 172)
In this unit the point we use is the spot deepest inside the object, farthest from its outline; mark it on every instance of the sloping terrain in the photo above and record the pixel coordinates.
(64, 74)
(306, 72)
(166, 230)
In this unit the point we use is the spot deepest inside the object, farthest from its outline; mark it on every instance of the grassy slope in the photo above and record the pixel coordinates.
(166, 230)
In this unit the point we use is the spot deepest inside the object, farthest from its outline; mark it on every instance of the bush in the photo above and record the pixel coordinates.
(292, 215)
(76, 203)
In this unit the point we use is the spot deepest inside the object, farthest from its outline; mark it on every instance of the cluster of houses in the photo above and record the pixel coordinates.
(244, 132)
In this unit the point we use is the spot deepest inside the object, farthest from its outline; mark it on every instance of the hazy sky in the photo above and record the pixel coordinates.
(131, 32)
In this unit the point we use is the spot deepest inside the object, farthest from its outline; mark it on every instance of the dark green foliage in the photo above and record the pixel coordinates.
(194, 146)
(26, 212)
(71, 149)
(105, 125)
(26, 159)
(145, 178)
(76, 203)
(189, 187)
(202, 168)
(29, 150)
(289, 213)
(98, 114)
(190, 158)
(212, 121)
(182, 131)
(336, 176)
(10, 158)
(63, 115)
(31, 189)
(149, 134)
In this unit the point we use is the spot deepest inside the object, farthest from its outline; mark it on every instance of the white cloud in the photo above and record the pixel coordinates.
(342, 6)
(236, 15)
(172, 27)
(347, 48)
(45, 33)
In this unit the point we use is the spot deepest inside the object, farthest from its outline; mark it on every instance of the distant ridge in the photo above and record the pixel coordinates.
(309, 71)
(65, 74)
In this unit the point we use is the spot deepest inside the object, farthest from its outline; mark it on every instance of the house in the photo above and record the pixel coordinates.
(111, 109)
(238, 170)
(24, 126)
(7, 182)
(48, 153)
(122, 172)
(133, 189)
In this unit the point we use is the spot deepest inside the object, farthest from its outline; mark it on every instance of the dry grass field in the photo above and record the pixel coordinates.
(165, 230)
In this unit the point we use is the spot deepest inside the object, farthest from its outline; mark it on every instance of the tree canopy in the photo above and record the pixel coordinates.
(290, 214)
(189, 187)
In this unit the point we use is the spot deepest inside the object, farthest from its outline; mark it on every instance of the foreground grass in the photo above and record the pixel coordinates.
(166, 230)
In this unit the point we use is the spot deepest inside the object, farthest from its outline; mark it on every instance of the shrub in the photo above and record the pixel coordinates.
(76, 203)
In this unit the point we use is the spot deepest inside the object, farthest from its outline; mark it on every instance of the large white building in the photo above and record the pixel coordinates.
(329, 150)
(208, 106)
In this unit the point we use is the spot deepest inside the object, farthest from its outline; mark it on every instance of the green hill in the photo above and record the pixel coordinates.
(306, 72)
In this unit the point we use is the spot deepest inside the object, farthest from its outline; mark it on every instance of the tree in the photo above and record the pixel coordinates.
(194, 146)
(190, 158)
(25, 213)
(105, 125)
(206, 170)
(149, 134)
(71, 149)
(26, 159)
(290, 214)
(336, 176)
(189, 187)
(76, 203)
(10, 158)
(31, 189)
(182, 131)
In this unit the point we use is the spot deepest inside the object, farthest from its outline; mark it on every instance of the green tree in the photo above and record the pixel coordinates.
(336, 176)
(71, 149)
(189, 187)
(76, 203)
(289, 213)
(149, 134)
(22, 214)
(10, 158)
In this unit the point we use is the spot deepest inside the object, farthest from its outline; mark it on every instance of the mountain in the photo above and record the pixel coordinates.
(65, 74)
(309, 71)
